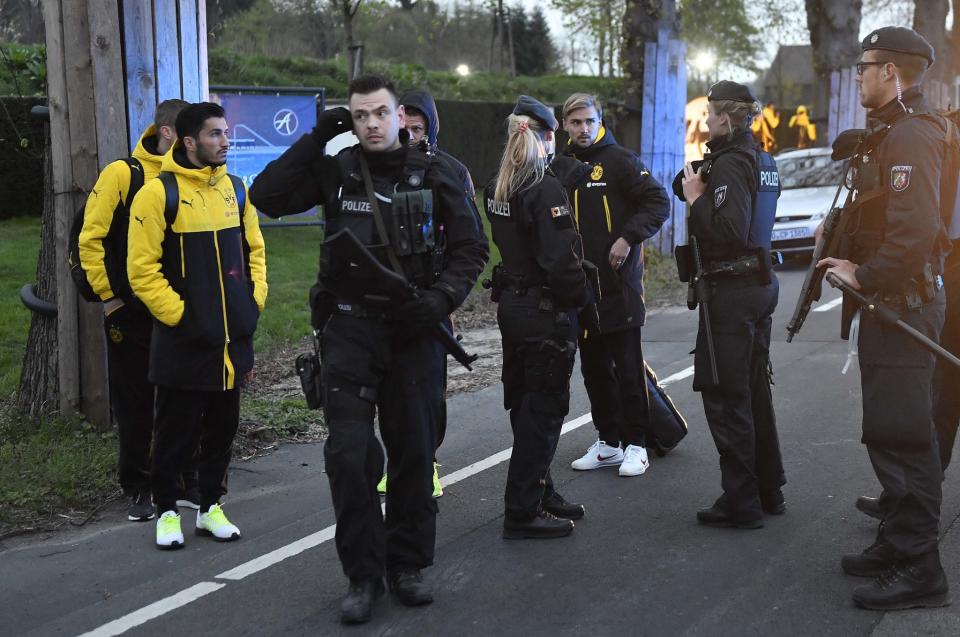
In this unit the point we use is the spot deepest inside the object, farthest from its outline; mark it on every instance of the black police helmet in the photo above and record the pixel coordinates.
(899, 40)
(539, 111)
(730, 91)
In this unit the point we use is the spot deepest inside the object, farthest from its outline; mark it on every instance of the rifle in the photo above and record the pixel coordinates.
(359, 269)
(698, 292)
(834, 225)
(890, 317)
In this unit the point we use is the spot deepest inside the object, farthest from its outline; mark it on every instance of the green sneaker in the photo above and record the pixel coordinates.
(215, 524)
(382, 485)
(169, 535)
(437, 487)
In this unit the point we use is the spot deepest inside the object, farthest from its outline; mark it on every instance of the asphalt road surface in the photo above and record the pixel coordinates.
(638, 564)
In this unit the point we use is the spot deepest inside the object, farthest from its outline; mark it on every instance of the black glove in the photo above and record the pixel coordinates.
(331, 123)
(429, 308)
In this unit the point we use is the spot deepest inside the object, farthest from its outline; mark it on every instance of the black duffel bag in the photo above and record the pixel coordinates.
(667, 426)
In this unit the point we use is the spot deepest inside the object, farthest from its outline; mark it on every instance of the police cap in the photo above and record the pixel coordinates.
(899, 40)
(539, 111)
(731, 91)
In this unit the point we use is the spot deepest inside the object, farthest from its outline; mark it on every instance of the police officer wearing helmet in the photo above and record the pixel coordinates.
(897, 243)
(733, 201)
(380, 356)
(539, 285)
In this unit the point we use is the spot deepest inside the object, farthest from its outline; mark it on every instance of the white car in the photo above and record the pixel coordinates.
(808, 181)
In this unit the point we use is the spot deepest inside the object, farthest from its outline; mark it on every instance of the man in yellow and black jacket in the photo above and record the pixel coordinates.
(197, 261)
(102, 247)
(620, 206)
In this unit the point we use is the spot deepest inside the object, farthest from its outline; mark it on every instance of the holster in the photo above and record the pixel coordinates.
(686, 268)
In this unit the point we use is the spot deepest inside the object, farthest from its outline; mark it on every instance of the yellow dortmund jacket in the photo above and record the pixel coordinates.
(203, 280)
(103, 239)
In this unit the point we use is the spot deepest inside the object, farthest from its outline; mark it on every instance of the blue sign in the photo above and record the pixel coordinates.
(262, 127)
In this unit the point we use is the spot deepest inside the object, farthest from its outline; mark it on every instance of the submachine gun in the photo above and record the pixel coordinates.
(698, 294)
(385, 288)
(834, 227)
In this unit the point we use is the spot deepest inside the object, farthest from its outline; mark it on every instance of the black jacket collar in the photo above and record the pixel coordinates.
(742, 140)
(892, 112)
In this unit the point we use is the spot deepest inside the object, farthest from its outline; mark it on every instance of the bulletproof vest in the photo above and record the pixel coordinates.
(765, 202)
(512, 231)
(408, 214)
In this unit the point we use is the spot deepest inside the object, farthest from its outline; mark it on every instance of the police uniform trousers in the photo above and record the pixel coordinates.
(739, 410)
(539, 348)
(128, 330)
(946, 377)
(615, 379)
(194, 429)
(373, 365)
(896, 375)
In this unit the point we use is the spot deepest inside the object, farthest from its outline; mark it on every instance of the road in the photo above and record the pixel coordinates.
(638, 564)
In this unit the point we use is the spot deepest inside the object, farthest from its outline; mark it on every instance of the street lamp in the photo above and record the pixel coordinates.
(463, 70)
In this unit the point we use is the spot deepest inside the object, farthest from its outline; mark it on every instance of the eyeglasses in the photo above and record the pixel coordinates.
(862, 65)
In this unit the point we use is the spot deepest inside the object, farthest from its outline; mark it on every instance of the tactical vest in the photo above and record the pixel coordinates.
(765, 202)
(408, 215)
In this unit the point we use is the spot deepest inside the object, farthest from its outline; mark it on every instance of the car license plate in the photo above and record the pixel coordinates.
(790, 233)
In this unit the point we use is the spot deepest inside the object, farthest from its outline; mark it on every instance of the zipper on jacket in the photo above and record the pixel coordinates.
(606, 210)
(576, 207)
(227, 365)
(183, 259)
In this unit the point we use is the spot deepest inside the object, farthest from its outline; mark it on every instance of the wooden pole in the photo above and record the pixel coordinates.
(65, 201)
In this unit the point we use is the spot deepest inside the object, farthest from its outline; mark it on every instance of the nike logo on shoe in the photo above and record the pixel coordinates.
(604, 458)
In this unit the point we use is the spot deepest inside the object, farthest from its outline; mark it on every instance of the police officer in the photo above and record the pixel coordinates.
(733, 201)
(539, 285)
(379, 356)
(897, 244)
(618, 208)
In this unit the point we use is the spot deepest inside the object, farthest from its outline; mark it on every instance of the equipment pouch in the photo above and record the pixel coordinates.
(685, 264)
(309, 369)
(413, 229)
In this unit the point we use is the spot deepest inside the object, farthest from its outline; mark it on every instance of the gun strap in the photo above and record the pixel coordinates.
(377, 216)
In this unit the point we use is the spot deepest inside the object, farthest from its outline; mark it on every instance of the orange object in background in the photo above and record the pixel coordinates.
(806, 130)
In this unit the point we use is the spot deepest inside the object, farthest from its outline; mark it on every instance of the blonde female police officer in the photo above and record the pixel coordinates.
(733, 202)
(539, 285)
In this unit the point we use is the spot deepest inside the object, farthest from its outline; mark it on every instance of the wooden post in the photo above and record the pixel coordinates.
(97, 115)
(662, 127)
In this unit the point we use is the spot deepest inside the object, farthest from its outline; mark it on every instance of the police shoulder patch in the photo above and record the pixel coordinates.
(559, 211)
(900, 177)
(719, 196)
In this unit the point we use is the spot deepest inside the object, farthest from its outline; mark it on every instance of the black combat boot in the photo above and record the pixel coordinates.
(870, 506)
(556, 504)
(543, 525)
(875, 560)
(408, 587)
(917, 582)
(716, 515)
(773, 502)
(355, 608)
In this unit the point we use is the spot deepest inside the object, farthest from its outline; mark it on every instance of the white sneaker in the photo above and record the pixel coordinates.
(169, 535)
(600, 454)
(215, 524)
(635, 461)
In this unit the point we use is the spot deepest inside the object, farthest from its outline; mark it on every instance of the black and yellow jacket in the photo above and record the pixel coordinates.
(203, 280)
(103, 240)
(619, 200)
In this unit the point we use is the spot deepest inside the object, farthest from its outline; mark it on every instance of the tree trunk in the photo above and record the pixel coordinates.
(601, 51)
(354, 51)
(930, 21)
(641, 21)
(834, 36)
(37, 394)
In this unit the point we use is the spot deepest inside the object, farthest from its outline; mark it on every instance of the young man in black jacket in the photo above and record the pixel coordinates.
(380, 356)
(619, 207)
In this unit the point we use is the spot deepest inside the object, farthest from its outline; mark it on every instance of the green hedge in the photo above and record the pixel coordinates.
(21, 158)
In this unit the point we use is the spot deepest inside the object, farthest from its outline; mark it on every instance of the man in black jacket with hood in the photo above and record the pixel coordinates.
(380, 357)
(619, 207)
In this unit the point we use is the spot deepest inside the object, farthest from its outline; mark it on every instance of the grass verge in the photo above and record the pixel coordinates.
(19, 243)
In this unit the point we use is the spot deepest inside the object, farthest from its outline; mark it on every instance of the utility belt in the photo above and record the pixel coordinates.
(357, 310)
(500, 281)
(919, 291)
(743, 266)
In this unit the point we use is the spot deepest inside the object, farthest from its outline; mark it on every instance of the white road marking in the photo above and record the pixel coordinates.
(313, 540)
(829, 305)
(154, 610)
